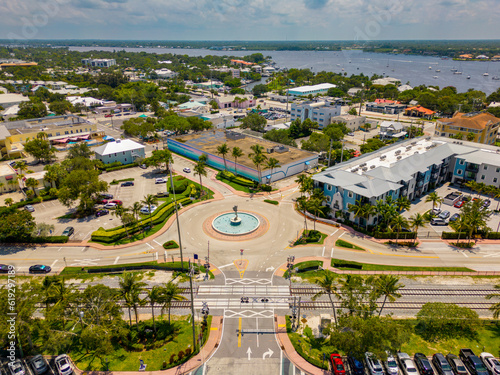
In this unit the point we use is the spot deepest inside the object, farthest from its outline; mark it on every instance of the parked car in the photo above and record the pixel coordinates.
(127, 183)
(491, 363)
(102, 201)
(373, 364)
(163, 194)
(145, 210)
(39, 364)
(459, 204)
(437, 221)
(186, 170)
(467, 198)
(456, 364)
(444, 215)
(472, 362)
(101, 212)
(357, 367)
(63, 365)
(68, 231)
(455, 217)
(441, 364)
(143, 166)
(436, 211)
(391, 366)
(110, 205)
(106, 196)
(29, 208)
(16, 367)
(160, 180)
(486, 203)
(423, 364)
(40, 268)
(337, 364)
(117, 202)
(4, 268)
(407, 364)
(108, 115)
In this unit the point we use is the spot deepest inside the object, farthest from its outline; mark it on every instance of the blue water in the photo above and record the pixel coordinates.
(408, 68)
(248, 223)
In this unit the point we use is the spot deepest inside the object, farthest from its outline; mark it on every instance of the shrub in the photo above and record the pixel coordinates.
(188, 352)
(402, 243)
(393, 235)
(347, 245)
(266, 187)
(116, 182)
(236, 179)
(463, 245)
(172, 359)
(180, 355)
(338, 263)
(493, 235)
(170, 245)
(453, 235)
(271, 201)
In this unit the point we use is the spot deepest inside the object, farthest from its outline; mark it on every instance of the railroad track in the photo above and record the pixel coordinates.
(314, 305)
(294, 291)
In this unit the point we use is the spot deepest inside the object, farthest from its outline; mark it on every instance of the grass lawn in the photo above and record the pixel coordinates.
(348, 245)
(238, 187)
(303, 266)
(383, 267)
(319, 242)
(136, 236)
(122, 360)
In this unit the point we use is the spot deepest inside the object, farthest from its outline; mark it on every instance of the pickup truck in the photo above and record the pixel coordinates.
(472, 362)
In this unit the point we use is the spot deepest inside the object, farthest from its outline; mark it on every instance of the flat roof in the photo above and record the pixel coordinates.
(208, 141)
(321, 86)
(6, 170)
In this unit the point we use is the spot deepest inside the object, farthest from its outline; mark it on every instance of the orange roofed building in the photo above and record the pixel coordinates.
(483, 125)
(419, 111)
(241, 62)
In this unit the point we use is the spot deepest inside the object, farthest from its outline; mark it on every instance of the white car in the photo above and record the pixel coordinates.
(373, 364)
(491, 363)
(110, 205)
(145, 210)
(407, 364)
(63, 365)
(187, 170)
(160, 181)
(391, 366)
(16, 367)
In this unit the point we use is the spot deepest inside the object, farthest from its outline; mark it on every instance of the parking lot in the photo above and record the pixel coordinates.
(29, 367)
(420, 206)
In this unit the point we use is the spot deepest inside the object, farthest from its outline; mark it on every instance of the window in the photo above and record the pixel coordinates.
(461, 162)
(328, 199)
(329, 187)
(498, 170)
(482, 177)
(125, 159)
(349, 194)
(485, 167)
(115, 153)
(495, 180)
(58, 134)
(123, 152)
(66, 132)
(459, 172)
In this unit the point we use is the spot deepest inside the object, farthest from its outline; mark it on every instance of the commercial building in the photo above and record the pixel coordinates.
(409, 169)
(125, 151)
(59, 129)
(385, 106)
(165, 73)
(483, 125)
(99, 63)
(419, 111)
(109, 107)
(9, 100)
(291, 160)
(352, 122)
(321, 112)
(235, 101)
(219, 120)
(8, 178)
(322, 88)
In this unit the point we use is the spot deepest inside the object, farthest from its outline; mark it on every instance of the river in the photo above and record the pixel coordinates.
(407, 68)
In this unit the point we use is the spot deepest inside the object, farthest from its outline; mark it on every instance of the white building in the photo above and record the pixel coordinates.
(99, 63)
(125, 151)
(319, 112)
(8, 100)
(165, 73)
(352, 122)
(391, 129)
(322, 88)
(386, 81)
(220, 121)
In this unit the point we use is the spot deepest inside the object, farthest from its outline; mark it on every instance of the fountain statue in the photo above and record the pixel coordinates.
(235, 220)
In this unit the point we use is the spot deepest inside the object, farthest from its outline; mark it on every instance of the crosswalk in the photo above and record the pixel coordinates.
(244, 290)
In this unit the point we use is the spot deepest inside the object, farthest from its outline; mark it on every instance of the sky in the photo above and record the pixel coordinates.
(362, 20)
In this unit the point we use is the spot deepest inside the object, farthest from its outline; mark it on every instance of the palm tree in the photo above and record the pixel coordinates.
(271, 164)
(170, 292)
(21, 166)
(236, 153)
(472, 185)
(136, 210)
(8, 202)
(203, 158)
(417, 221)
(496, 307)
(397, 223)
(42, 135)
(459, 225)
(403, 203)
(357, 209)
(154, 296)
(301, 180)
(368, 210)
(200, 170)
(257, 149)
(150, 200)
(434, 198)
(223, 150)
(474, 217)
(315, 206)
(130, 288)
(61, 295)
(328, 285)
(121, 213)
(258, 160)
(387, 286)
(31, 183)
(302, 206)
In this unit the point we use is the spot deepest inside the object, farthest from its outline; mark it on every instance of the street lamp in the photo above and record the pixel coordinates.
(176, 216)
(191, 273)
(290, 260)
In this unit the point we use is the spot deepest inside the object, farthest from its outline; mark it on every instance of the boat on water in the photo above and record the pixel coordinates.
(468, 77)
(453, 70)
(457, 72)
(430, 67)
(435, 77)
(486, 74)
(496, 78)
(438, 70)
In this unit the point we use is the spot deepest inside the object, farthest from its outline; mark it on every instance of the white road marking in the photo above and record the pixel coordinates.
(116, 260)
(83, 248)
(150, 245)
(257, 328)
(226, 265)
(59, 249)
(465, 255)
(331, 256)
(54, 263)
(323, 254)
(342, 235)
(334, 233)
(157, 242)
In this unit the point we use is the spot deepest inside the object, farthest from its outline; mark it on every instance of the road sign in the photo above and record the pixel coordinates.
(195, 256)
(241, 251)
(304, 320)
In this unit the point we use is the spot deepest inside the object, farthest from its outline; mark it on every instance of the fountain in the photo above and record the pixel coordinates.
(236, 224)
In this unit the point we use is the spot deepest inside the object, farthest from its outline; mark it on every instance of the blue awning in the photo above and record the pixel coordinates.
(307, 163)
(268, 176)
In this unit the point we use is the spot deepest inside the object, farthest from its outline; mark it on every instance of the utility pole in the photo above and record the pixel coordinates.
(176, 216)
(191, 272)
(298, 315)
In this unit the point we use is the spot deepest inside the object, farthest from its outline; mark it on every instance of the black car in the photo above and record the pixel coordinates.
(68, 231)
(423, 364)
(106, 196)
(4, 268)
(127, 183)
(441, 364)
(356, 366)
(39, 268)
(102, 212)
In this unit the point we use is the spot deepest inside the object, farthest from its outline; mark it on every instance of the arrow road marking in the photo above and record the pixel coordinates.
(268, 353)
(249, 352)
(270, 269)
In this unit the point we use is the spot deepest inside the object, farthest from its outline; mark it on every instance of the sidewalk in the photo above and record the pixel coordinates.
(206, 352)
(287, 346)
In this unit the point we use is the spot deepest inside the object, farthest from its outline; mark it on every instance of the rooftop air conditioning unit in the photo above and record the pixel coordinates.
(383, 157)
(364, 169)
(399, 157)
(362, 165)
(398, 152)
(414, 143)
(355, 170)
(372, 166)
(408, 148)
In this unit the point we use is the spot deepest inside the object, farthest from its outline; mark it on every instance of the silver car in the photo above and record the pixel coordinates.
(391, 366)
(16, 367)
(491, 362)
(373, 364)
(63, 365)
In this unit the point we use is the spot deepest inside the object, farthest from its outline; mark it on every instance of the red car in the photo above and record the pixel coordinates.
(117, 201)
(102, 201)
(109, 115)
(459, 204)
(337, 364)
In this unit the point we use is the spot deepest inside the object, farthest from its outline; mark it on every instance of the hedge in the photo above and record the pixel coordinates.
(160, 215)
(339, 263)
(394, 235)
(40, 239)
(170, 245)
(453, 235)
(121, 167)
(493, 235)
(116, 182)
(34, 200)
(271, 201)
(236, 179)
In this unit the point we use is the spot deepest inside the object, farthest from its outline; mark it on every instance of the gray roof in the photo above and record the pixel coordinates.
(482, 157)
(4, 132)
(120, 145)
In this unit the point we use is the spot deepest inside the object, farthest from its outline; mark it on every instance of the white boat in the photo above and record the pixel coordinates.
(468, 77)
(430, 67)
(457, 72)
(485, 74)
(435, 77)
(438, 70)
(496, 78)
(453, 69)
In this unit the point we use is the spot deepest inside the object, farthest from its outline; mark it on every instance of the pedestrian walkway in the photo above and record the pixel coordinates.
(287, 347)
(198, 360)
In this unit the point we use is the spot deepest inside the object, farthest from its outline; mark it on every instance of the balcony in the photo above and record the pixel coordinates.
(434, 176)
(420, 176)
(420, 184)
(470, 176)
(471, 167)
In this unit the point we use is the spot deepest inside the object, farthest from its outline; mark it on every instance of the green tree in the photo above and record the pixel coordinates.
(475, 218)
(8, 202)
(329, 286)
(200, 170)
(236, 153)
(55, 174)
(403, 203)
(31, 183)
(434, 198)
(254, 122)
(154, 295)
(387, 286)
(40, 149)
(82, 185)
(15, 225)
(302, 206)
(170, 292)
(471, 136)
(358, 295)
(223, 150)
(258, 160)
(150, 200)
(271, 164)
(417, 221)
(352, 111)
(60, 107)
(136, 209)
(31, 109)
(81, 149)
(130, 288)
(397, 223)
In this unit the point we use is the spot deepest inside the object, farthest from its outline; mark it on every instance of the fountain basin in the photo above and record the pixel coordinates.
(228, 224)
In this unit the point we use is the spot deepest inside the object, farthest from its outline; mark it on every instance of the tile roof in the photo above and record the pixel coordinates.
(471, 121)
